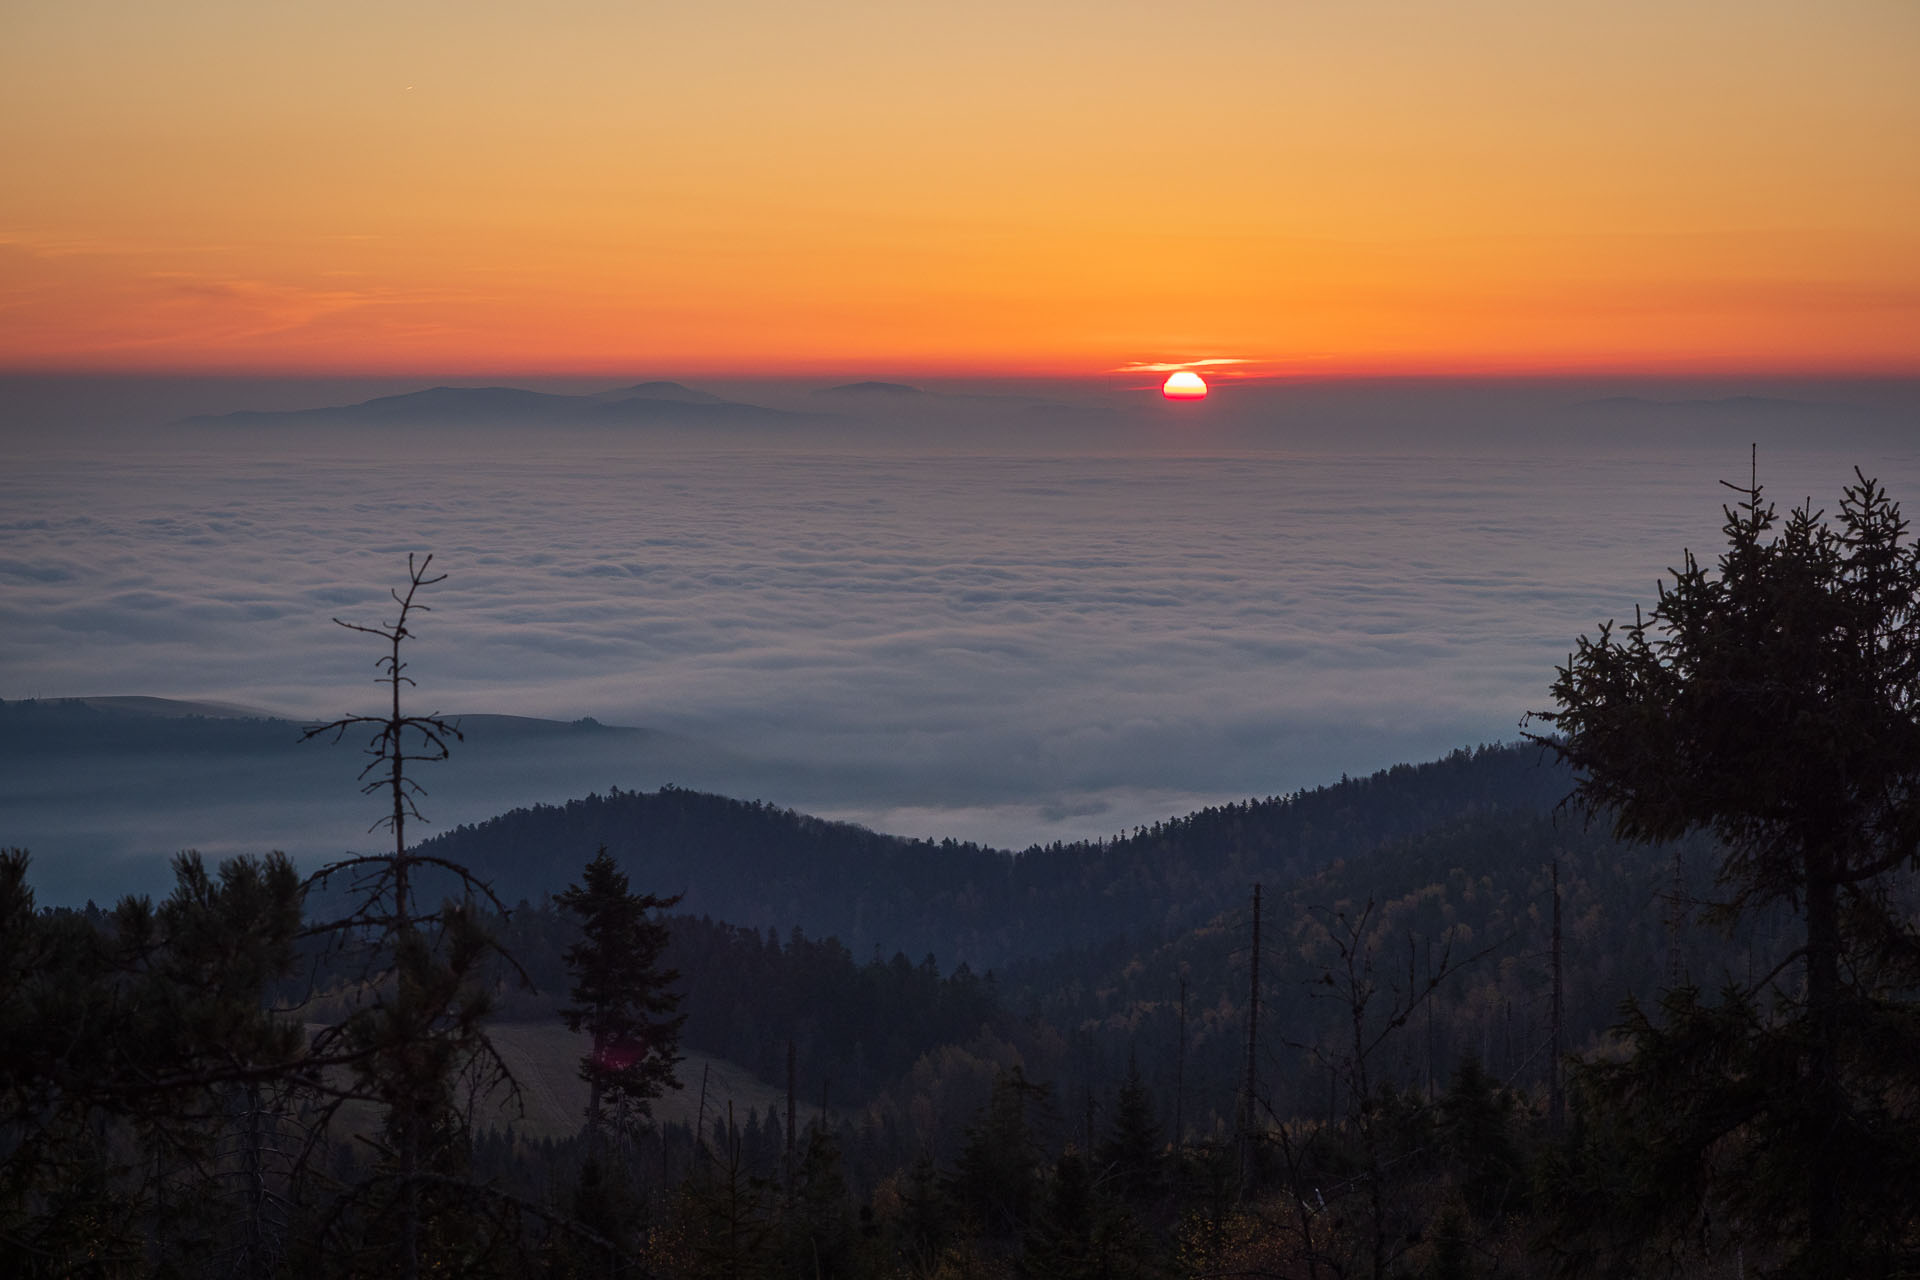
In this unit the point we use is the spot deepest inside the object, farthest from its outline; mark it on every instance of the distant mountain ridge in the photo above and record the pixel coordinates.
(40, 726)
(645, 403)
(871, 388)
(658, 390)
(165, 708)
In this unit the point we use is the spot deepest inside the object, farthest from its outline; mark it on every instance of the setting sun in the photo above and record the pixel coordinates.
(1184, 385)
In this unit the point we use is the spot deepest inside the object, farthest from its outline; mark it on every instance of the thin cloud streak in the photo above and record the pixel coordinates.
(1140, 366)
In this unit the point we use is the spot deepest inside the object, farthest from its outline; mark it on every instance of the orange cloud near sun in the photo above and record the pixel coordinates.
(1367, 189)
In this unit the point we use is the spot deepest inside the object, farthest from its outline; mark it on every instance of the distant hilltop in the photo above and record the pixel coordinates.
(656, 404)
(93, 712)
(669, 404)
(872, 389)
(677, 392)
(138, 705)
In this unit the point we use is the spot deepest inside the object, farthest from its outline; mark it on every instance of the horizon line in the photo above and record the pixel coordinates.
(1217, 371)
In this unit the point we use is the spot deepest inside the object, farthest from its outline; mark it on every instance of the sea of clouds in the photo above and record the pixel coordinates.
(1003, 646)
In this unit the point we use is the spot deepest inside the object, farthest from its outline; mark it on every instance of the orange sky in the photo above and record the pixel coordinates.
(1049, 186)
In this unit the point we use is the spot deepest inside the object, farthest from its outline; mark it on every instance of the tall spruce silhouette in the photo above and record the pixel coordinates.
(1774, 702)
(620, 995)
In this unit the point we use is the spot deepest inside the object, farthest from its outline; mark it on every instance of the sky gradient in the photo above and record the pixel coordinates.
(1056, 188)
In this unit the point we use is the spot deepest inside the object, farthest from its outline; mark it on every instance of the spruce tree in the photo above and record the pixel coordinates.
(1475, 1131)
(125, 1039)
(1133, 1156)
(925, 1224)
(1775, 703)
(998, 1177)
(819, 1240)
(1060, 1242)
(621, 997)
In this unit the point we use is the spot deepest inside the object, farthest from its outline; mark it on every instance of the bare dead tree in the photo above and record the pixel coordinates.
(398, 740)
(1249, 1114)
(1374, 1009)
(1180, 1075)
(415, 1037)
(1556, 1099)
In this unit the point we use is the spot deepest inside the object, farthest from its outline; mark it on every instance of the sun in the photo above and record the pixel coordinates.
(1184, 385)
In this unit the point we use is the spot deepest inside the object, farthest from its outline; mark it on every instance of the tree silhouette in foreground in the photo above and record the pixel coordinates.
(1775, 703)
(416, 1033)
(135, 1048)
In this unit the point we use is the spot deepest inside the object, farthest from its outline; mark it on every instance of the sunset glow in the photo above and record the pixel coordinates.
(1510, 188)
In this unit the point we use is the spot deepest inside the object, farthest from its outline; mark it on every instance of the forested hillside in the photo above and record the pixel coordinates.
(860, 1025)
(1468, 904)
(1086, 1094)
(1096, 937)
(1468, 901)
(760, 866)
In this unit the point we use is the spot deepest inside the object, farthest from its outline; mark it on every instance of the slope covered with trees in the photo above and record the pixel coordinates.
(757, 865)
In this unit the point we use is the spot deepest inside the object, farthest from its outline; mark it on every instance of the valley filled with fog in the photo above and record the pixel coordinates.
(1008, 636)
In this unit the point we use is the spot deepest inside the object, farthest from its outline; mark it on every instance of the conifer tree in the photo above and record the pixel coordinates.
(621, 997)
(925, 1224)
(1775, 703)
(1060, 1244)
(1475, 1116)
(1132, 1157)
(819, 1240)
(123, 1038)
(725, 1214)
(998, 1174)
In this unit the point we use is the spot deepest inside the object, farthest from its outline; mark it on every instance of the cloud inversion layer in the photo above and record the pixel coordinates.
(1007, 648)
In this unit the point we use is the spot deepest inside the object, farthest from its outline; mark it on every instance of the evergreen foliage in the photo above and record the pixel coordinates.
(1775, 702)
(620, 995)
(125, 1037)
(1132, 1156)
(997, 1179)
(819, 1237)
(759, 866)
(725, 1224)
(1475, 1138)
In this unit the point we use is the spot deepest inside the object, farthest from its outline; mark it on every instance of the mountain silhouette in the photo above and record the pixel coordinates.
(662, 390)
(661, 403)
(872, 389)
